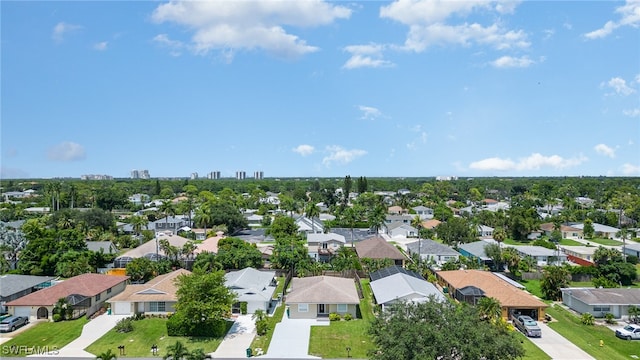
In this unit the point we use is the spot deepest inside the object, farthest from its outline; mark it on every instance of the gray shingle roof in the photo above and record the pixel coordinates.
(401, 285)
(606, 296)
(430, 247)
(251, 284)
(323, 290)
(11, 283)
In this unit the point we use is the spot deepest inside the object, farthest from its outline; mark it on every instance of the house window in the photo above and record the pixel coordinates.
(98, 297)
(157, 306)
(601, 309)
(109, 291)
(342, 308)
(303, 307)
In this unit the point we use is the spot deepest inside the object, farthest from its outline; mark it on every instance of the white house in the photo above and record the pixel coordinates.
(253, 287)
(323, 246)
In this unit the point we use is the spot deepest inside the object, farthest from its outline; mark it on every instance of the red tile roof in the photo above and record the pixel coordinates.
(85, 284)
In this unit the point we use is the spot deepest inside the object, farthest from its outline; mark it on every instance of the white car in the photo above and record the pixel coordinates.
(629, 332)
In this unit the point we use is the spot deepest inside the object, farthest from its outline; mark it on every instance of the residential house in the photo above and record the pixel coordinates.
(471, 285)
(170, 223)
(378, 248)
(585, 202)
(632, 249)
(394, 284)
(86, 293)
(475, 250)
(322, 247)
(210, 245)
(13, 286)
(157, 296)
(139, 199)
(307, 225)
(401, 230)
(582, 255)
(423, 212)
(254, 220)
(318, 296)
(541, 255)
(151, 249)
(432, 252)
(485, 232)
(396, 210)
(253, 287)
(600, 230)
(431, 224)
(403, 219)
(107, 247)
(599, 302)
(567, 231)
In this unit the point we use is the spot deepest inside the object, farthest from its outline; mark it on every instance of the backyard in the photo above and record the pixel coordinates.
(46, 335)
(609, 242)
(148, 332)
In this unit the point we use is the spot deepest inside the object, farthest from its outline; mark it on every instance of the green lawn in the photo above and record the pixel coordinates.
(264, 341)
(569, 242)
(588, 337)
(330, 342)
(581, 284)
(279, 288)
(145, 333)
(609, 242)
(51, 335)
(532, 286)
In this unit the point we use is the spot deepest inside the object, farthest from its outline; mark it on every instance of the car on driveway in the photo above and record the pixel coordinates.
(13, 322)
(527, 325)
(629, 332)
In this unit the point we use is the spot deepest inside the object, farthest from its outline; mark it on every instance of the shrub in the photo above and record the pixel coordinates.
(334, 317)
(262, 327)
(177, 325)
(243, 308)
(348, 316)
(57, 317)
(125, 325)
(608, 318)
(587, 319)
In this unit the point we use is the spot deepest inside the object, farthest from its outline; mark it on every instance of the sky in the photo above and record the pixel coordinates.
(311, 88)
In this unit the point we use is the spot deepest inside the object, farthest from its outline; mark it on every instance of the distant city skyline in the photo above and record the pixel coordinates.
(320, 89)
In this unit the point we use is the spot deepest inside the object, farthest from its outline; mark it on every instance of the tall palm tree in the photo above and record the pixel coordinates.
(203, 217)
(623, 234)
(167, 208)
(350, 218)
(72, 194)
(377, 217)
(56, 187)
(312, 211)
(138, 222)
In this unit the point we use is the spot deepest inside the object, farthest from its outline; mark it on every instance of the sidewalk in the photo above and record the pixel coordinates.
(238, 339)
(91, 332)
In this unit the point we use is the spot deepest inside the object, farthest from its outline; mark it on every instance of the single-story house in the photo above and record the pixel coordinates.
(106, 247)
(567, 231)
(403, 230)
(254, 220)
(253, 287)
(377, 247)
(599, 302)
(632, 249)
(432, 252)
(582, 255)
(395, 284)
(541, 255)
(600, 230)
(431, 224)
(318, 296)
(157, 296)
(470, 285)
(307, 225)
(322, 247)
(210, 245)
(86, 293)
(485, 231)
(423, 212)
(13, 286)
(151, 249)
(475, 250)
(396, 210)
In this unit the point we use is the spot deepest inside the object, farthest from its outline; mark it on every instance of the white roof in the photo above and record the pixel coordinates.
(401, 285)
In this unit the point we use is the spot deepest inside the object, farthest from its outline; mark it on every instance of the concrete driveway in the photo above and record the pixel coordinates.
(556, 346)
(237, 340)
(291, 339)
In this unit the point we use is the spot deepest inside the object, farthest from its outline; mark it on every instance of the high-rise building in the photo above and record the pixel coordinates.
(241, 175)
(140, 174)
(194, 176)
(258, 175)
(135, 174)
(214, 175)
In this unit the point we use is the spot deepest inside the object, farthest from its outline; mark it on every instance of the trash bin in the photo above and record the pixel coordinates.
(249, 352)
(287, 311)
(109, 311)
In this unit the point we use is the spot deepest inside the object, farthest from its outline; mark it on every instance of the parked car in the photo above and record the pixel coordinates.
(527, 325)
(629, 332)
(13, 322)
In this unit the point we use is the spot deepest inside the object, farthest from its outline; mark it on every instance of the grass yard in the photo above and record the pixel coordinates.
(588, 337)
(264, 341)
(145, 333)
(51, 335)
(609, 242)
(331, 342)
(581, 284)
(279, 287)
(532, 286)
(569, 242)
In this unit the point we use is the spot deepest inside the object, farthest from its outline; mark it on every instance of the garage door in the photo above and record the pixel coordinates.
(121, 308)
(22, 311)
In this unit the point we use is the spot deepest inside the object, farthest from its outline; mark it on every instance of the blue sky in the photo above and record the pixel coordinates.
(320, 89)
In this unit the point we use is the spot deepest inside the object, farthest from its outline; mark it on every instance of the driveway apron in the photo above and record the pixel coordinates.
(556, 346)
(238, 339)
(291, 338)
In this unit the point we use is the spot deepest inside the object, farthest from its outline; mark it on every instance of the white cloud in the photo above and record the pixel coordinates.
(632, 112)
(66, 151)
(175, 47)
(532, 162)
(427, 22)
(304, 149)
(370, 55)
(605, 150)
(629, 16)
(249, 25)
(369, 113)
(61, 29)
(511, 62)
(630, 169)
(101, 46)
(338, 154)
(619, 85)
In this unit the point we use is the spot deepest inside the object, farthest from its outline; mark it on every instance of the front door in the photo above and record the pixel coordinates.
(321, 309)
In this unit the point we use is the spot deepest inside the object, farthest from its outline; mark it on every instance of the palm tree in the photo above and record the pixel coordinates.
(489, 309)
(312, 211)
(138, 222)
(377, 217)
(176, 351)
(203, 217)
(72, 194)
(167, 209)
(623, 234)
(634, 313)
(499, 235)
(107, 355)
(56, 187)
(349, 217)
